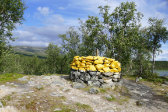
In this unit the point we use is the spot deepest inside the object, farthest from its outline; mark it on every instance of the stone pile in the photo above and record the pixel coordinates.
(95, 71)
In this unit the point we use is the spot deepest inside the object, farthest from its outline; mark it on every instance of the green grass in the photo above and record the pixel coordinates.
(84, 107)
(156, 79)
(8, 77)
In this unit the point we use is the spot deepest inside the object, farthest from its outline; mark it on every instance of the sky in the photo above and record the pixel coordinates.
(46, 19)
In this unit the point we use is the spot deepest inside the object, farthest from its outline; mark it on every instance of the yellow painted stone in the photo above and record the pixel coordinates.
(101, 71)
(106, 61)
(91, 68)
(88, 63)
(74, 67)
(98, 61)
(106, 69)
(114, 70)
(73, 64)
(99, 66)
(95, 63)
(82, 65)
(106, 65)
(83, 61)
(89, 58)
(112, 65)
(119, 69)
(77, 62)
(83, 69)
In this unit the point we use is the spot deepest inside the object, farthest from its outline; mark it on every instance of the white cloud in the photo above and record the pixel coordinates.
(163, 56)
(44, 10)
(32, 43)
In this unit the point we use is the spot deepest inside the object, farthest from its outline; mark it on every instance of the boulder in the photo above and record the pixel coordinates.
(93, 91)
(77, 85)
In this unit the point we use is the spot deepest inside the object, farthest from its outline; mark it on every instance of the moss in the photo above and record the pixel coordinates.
(8, 77)
(112, 98)
(84, 107)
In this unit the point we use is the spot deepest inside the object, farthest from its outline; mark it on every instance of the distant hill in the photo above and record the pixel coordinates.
(30, 51)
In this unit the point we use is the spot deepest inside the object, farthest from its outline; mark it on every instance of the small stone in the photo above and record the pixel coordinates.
(109, 85)
(87, 77)
(25, 78)
(94, 78)
(77, 85)
(108, 74)
(110, 111)
(28, 97)
(96, 83)
(57, 109)
(115, 80)
(93, 91)
(90, 83)
(56, 83)
(79, 81)
(39, 87)
(116, 76)
(108, 96)
(101, 80)
(108, 80)
(46, 77)
(93, 73)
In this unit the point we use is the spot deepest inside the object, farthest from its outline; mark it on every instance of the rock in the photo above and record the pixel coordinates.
(82, 76)
(28, 97)
(76, 74)
(93, 91)
(25, 78)
(77, 85)
(101, 80)
(96, 83)
(93, 73)
(39, 87)
(87, 77)
(56, 83)
(31, 83)
(90, 83)
(94, 78)
(57, 109)
(116, 76)
(138, 79)
(115, 80)
(46, 77)
(109, 85)
(108, 97)
(108, 80)
(79, 81)
(108, 74)
(1, 105)
(98, 73)
(110, 111)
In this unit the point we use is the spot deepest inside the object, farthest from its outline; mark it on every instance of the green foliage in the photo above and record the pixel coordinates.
(117, 34)
(11, 13)
(161, 65)
(9, 77)
(156, 33)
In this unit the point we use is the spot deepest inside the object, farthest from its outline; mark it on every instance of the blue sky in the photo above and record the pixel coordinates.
(46, 19)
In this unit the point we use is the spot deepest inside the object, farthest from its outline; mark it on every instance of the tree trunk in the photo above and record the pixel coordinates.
(153, 61)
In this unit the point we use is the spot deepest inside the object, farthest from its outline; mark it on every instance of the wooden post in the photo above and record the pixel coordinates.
(97, 52)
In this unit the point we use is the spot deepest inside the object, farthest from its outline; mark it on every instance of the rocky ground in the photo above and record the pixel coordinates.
(58, 94)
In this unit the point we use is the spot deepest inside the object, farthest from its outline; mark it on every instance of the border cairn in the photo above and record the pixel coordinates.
(95, 71)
